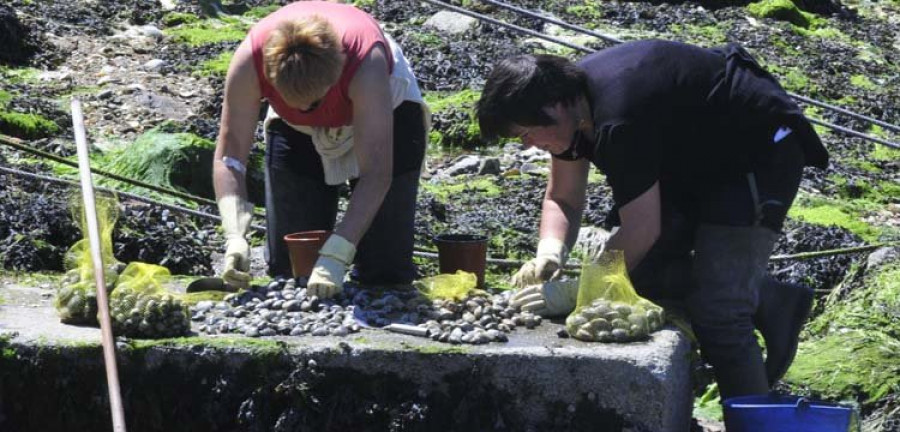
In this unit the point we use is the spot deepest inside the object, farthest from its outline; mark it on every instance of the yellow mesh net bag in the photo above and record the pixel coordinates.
(608, 308)
(76, 300)
(456, 286)
(142, 307)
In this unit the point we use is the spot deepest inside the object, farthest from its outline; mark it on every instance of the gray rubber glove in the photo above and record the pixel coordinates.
(327, 277)
(549, 299)
(236, 213)
(551, 255)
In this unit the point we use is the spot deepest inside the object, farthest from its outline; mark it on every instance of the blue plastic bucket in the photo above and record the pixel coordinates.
(787, 414)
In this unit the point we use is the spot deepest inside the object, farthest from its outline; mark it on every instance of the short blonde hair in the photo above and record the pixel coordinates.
(303, 58)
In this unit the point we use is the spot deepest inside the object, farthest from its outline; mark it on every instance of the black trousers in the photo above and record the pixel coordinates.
(298, 199)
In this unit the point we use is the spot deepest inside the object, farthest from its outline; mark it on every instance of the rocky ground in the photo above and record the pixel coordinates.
(157, 67)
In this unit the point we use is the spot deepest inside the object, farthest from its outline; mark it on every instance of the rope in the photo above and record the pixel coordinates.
(21, 145)
(584, 49)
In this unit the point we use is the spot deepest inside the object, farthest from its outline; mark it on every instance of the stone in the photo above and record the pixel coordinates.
(882, 256)
(533, 169)
(154, 65)
(467, 164)
(489, 166)
(449, 22)
(105, 94)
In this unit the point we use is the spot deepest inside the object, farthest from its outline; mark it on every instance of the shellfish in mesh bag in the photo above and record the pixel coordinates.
(608, 308)
(76, 300)
(141, 307)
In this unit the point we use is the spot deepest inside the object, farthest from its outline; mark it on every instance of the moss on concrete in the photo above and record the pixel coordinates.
(193, 298)
(254, 346)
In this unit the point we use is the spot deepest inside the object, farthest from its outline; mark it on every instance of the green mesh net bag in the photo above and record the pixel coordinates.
(76, 300)
(608, 308)
(141, 306)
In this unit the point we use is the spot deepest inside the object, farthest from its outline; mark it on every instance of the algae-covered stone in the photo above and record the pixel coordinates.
(782, 10)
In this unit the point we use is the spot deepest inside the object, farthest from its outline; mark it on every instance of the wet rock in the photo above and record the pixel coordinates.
(882, 256)
(467, 164)
(450, 22)
(489, 166)
(534, 169)
(155, 65)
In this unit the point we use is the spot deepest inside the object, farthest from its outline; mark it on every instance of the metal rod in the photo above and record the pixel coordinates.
(90, 213)
(581, 48)
(854, 133)
(847, 112)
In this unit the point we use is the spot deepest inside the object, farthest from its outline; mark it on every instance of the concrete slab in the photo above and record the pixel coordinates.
(536, 381)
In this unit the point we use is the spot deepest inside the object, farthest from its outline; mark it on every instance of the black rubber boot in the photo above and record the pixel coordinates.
(729, 267)
(783, 310)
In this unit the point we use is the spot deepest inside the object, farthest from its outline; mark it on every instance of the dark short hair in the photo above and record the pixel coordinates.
(520, 87)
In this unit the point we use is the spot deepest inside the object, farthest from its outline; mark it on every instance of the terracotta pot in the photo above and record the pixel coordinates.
(303, 248)
(467, 252)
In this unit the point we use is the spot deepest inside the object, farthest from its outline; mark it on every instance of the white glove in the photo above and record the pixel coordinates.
(327, 277)
(550, 299)
(236, 213)
(551, 255)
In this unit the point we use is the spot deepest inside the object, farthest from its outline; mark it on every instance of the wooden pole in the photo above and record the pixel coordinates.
(90, 211)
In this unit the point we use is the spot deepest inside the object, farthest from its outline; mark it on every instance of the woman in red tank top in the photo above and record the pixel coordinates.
(325, 70)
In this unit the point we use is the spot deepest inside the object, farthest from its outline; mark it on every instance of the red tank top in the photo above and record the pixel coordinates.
(358, 31)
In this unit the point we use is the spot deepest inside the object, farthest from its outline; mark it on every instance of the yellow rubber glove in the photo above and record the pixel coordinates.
(327, 277)
(550, 299)
(551, 255)
(236, 213)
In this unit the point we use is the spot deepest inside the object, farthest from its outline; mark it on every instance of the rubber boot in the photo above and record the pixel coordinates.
(783, 309)
(728, 269)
